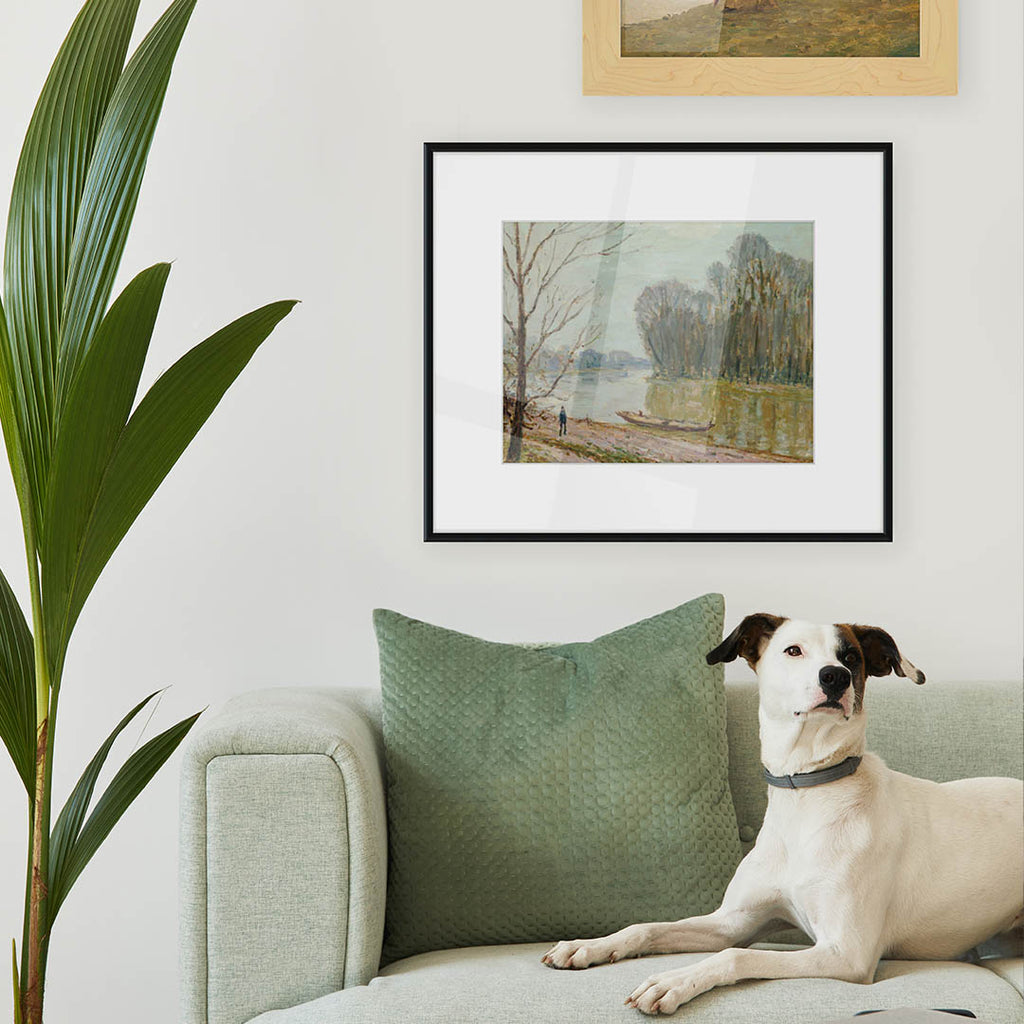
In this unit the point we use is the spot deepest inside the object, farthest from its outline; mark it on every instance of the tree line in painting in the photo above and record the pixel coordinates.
(752, 322)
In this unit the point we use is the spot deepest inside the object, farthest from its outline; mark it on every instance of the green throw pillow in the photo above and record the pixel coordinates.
(541, 794)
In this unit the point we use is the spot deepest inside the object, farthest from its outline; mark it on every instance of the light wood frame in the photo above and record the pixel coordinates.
(606, 73)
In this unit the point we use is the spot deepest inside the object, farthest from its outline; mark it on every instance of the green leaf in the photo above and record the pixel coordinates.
(9, 419)
(112, 188)
(90, 425)
(159, 430)
(124, 787)
(69, 824)
(45, 200)
(17, 986)
(17, 687)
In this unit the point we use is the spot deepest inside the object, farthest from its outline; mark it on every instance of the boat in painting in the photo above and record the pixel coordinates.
(640, 419)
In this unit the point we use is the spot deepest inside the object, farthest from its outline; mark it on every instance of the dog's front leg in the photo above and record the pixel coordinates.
(666, 992)
(723, 928)
(747, 907)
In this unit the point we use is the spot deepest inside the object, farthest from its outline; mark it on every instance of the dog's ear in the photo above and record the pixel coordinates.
(747, 640)
(882, 656)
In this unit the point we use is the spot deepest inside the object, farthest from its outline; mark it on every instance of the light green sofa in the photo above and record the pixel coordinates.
(284, 857)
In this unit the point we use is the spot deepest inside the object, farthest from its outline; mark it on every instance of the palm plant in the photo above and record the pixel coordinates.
(84, 456)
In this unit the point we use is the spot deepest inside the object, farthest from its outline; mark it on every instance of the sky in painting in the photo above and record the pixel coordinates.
(660, 251)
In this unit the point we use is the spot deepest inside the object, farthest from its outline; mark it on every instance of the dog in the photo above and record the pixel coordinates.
(867, 861)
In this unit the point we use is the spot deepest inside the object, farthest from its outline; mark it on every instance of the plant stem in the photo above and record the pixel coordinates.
(32, 990)
(32, 997)
(23, 979)
(51, 732)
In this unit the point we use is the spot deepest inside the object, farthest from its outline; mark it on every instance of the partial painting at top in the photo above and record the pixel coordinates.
(658, 341)
(771, 28)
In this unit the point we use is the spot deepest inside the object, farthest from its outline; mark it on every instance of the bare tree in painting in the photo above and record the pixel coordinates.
(540, 307)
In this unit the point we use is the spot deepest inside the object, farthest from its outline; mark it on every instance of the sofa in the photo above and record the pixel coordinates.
(283, 866)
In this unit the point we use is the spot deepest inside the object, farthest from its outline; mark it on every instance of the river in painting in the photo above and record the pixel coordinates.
(770, 419)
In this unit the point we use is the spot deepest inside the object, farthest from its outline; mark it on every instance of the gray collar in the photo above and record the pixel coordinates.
(806, 779)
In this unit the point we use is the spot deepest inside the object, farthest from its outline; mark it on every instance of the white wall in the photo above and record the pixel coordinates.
(288, 164)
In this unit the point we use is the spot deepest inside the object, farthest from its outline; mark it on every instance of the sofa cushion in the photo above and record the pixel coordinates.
(508, 985)
(1009, 968)
(536, 794)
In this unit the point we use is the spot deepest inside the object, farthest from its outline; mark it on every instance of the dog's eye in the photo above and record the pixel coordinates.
(793, 651)
(849, 658)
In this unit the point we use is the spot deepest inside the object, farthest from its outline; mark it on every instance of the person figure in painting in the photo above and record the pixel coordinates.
(563, 422)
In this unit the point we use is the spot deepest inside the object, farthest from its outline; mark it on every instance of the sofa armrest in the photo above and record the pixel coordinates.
(283, 852)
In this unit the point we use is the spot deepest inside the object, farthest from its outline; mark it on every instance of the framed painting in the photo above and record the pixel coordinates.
(768, 47)
(658, 342)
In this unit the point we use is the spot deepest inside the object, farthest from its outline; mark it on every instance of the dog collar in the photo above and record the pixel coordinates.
(804, 780)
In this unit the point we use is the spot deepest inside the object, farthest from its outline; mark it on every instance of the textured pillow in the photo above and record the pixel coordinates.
(538, 794)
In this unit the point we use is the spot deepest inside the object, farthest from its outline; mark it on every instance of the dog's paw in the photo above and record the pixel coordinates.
(664, 993)
(575, 954)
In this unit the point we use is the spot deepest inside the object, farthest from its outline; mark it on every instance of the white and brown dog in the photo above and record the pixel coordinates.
(867, 861)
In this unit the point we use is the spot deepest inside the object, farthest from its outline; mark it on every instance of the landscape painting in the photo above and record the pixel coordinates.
(658, 341)
(771, 28)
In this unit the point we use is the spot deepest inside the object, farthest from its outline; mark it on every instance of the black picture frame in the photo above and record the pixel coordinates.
(433, 535)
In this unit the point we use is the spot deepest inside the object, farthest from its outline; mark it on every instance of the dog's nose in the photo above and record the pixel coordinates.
(834, 679)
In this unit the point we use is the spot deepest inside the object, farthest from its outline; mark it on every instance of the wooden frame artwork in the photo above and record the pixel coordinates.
(827, 69)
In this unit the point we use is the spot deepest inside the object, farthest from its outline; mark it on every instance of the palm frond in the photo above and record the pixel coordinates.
(69, 823)
(17, 687)
(112, 188)
(124, 787)
(17, 981)
(90, 425)
(45, 202)
(160, 429)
